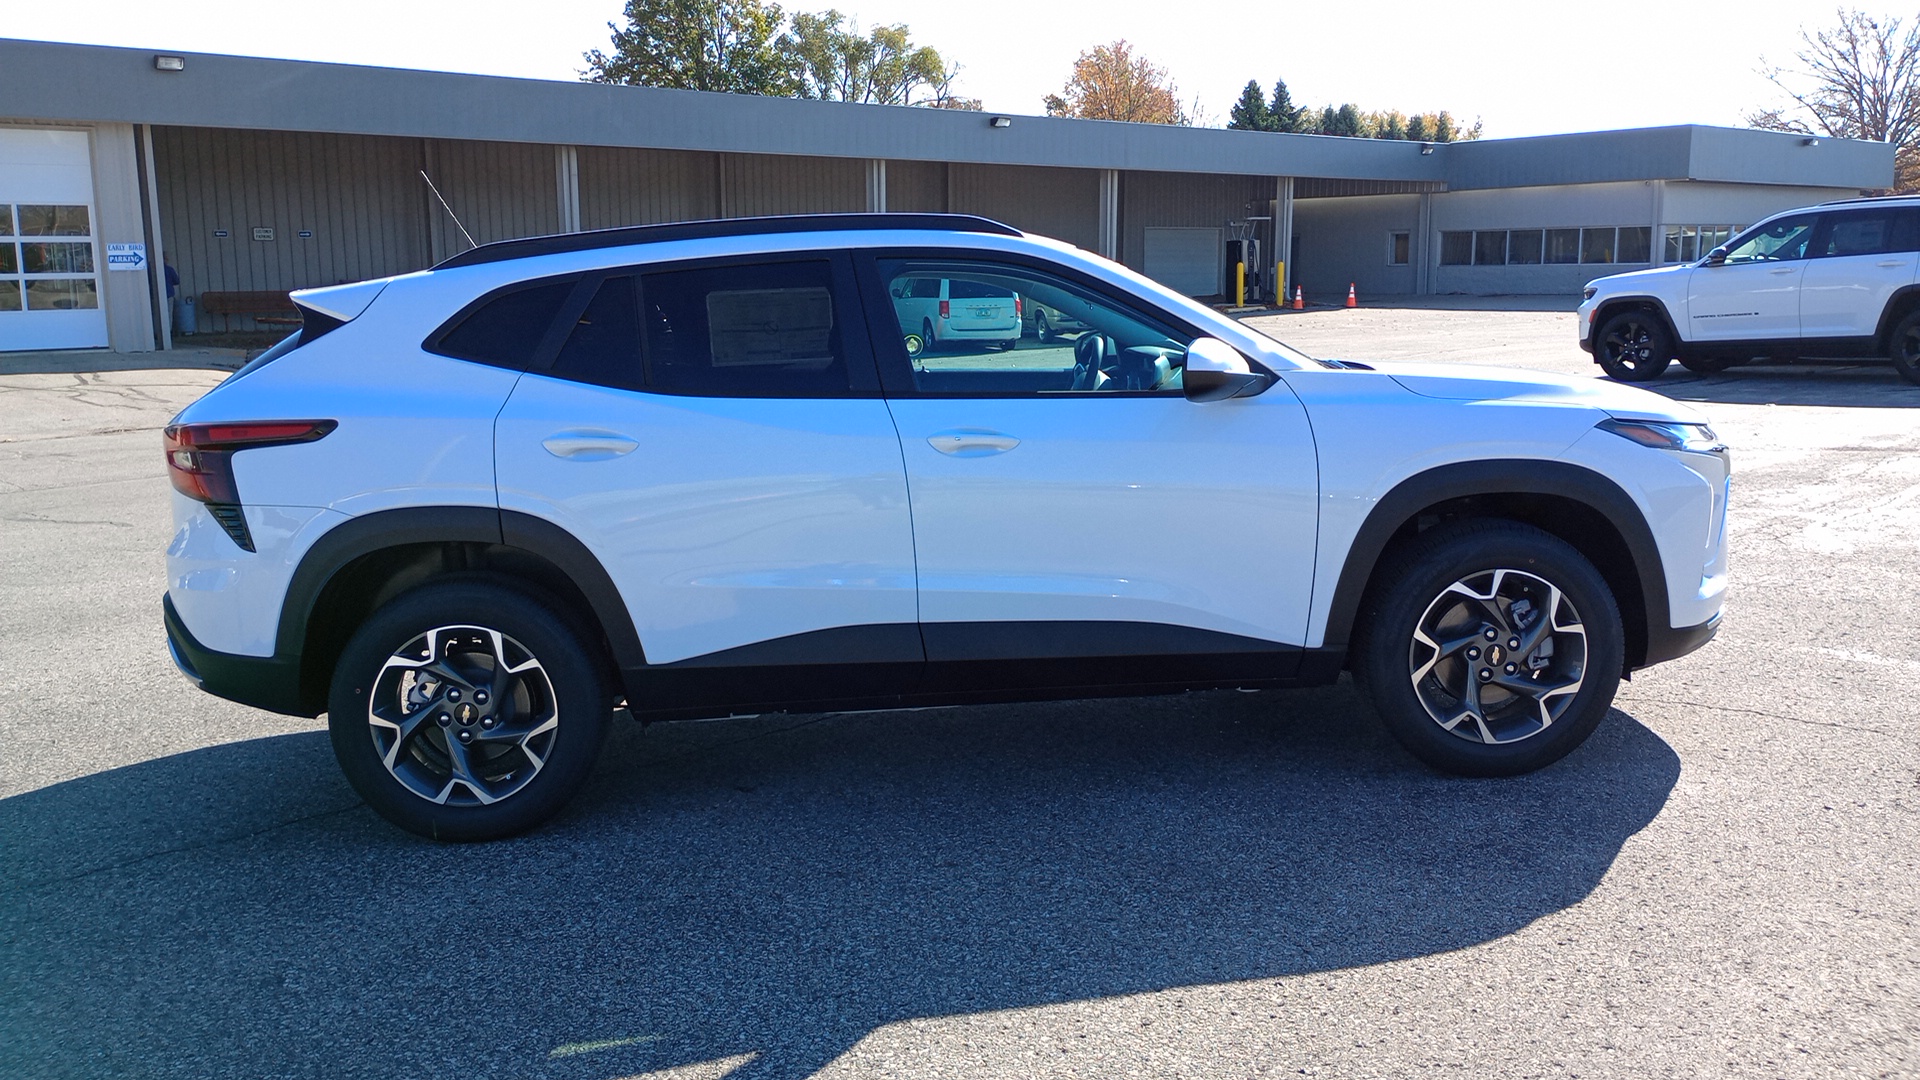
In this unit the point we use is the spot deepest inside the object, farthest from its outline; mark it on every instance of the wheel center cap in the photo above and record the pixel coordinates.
(466, 712)
(1495, 654)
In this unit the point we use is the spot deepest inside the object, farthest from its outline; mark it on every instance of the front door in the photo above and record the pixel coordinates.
(1755, 293)
(1076, 519)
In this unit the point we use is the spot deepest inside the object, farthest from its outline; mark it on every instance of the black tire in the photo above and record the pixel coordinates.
(1042, 327)
(506, 671)
(1422, 691)
(1708, 365)
(1903, 347)
(1633, 346)
(926, 334)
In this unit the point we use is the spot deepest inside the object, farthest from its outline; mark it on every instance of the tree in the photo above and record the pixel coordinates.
(1286, 115)
(1109, 82)
(1417, 129)
(1250, 113)
(1859, 79)
(832, 61)
(725, 45)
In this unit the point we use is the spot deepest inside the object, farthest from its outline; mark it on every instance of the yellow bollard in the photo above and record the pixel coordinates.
(1240, 284)
(1279, 283)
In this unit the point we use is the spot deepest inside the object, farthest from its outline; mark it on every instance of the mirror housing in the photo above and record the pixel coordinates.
(1215, 371)
(1718, 256)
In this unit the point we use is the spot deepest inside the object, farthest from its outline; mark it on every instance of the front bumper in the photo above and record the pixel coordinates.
(264, 682)
(1671, 643)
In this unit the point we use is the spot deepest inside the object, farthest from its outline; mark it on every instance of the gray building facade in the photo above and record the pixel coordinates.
(255, 175)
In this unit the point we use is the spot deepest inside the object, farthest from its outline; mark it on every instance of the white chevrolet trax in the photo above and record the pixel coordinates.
(702, 469)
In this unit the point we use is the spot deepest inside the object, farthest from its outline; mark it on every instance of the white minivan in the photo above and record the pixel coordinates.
(950, 311)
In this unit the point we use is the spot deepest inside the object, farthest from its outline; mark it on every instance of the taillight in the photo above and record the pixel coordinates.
(200, 462)
(1016, 307)
(946, 310)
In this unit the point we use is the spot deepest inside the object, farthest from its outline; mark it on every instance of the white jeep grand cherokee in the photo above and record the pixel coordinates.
(1839, 279)
(698, 470)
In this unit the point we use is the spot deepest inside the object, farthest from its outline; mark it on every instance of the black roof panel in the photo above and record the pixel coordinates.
(503, 250)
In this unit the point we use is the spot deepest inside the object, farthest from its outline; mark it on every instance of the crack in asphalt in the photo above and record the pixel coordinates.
(1759, 712)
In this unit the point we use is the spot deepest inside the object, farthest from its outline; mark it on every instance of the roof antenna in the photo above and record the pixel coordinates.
(450, 213)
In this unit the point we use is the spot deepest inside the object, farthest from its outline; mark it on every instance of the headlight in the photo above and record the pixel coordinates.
(1668, 435)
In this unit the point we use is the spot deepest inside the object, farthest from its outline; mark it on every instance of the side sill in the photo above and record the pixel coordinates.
(263, 682)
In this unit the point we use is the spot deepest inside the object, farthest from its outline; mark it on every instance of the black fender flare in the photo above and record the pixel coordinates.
(1500, 478)
(1899, 305)
(1612, 305)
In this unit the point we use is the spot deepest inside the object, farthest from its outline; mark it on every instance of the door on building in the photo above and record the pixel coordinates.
(50, 258)
(1189, 260)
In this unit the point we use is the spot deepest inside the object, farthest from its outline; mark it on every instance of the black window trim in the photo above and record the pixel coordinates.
(896, 368)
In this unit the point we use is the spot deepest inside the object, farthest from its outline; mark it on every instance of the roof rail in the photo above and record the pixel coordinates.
(502, 250)
(1867, 199)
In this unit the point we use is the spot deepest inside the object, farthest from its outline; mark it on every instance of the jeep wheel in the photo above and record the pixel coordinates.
(467, 711)
(1633, 346)
(1903, 348)
(1490, 648)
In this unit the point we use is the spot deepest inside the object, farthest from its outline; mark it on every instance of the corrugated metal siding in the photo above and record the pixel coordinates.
(1309, 187)
(917, 186)
(361, 197)
(500, 191)
(1345, 241)
(1061, 203)
(646, 187)
(1174, 200)
(755, 185)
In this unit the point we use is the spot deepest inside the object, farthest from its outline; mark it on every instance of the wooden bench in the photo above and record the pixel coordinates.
(265, 308)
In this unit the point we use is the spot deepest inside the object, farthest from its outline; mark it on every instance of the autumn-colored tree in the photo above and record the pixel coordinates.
(1111, 82)
(1859, 79)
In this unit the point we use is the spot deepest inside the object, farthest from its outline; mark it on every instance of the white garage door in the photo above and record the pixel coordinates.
(49, 253)
(1185, 259)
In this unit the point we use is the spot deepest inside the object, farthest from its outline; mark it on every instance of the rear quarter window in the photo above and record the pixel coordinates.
(506, 328)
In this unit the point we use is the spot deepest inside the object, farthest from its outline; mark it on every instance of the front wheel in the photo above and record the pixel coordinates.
(1903, 348)
(1633, 346)
(1042, 327)
(467, 710)
(1490, 648)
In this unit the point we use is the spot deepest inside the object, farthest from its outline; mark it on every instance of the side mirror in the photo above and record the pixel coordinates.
(898, 293)
(1215, 371)
(1718, 256)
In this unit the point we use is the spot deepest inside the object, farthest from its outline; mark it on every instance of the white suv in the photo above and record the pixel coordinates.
(700, 470)
(1839, 279)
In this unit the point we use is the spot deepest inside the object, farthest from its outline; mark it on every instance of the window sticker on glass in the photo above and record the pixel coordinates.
(753, 327)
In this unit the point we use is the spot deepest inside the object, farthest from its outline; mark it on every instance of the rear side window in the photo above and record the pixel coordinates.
(505, 329)
(744, 331)
(604, 344)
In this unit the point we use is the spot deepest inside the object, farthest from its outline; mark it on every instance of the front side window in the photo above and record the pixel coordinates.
(1775, 241)
(995, 330)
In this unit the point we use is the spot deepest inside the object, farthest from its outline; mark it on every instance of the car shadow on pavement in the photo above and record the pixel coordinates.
(1809, 382)
(774, 887)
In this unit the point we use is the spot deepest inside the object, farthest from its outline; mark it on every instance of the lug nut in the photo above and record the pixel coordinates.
(1485, 674)
(488, 722)
(1492, 634)
(453, 695)
(466, 736)
(1513, 643)
(1511, 669)
(444, 719)
(1473, 654)
(480, 697)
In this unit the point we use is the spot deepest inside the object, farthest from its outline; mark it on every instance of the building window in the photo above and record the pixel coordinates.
(1596, 245)
(1399, 248)
(1523, 246)
(1456, 248)
(1490, 248)
(1685, 243)
(1563, 245)
(1636, 244)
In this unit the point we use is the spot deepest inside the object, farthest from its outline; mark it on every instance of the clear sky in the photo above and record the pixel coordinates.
(1523, 68)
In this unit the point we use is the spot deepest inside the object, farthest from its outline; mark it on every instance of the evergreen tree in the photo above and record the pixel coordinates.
(1346, 122)
(1395, 127)
(1417, 129)
(1327, 121)
(1250, 112)
(1286, 115)
(1443, 127)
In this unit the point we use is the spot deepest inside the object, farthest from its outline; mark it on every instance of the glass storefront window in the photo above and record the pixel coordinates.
(1563, 245)
(62, 294)
(50, 220)
(1523, 247)
(1596, 245)
(1490, 248)
(1636, 244)
(1456, 248)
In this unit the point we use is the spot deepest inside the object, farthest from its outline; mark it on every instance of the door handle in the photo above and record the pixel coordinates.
(971, 443)
(1785, 270)
(1891, 263)
(588, 445)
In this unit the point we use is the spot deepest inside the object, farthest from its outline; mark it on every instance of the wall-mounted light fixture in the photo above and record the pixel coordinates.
(1809, 142)
(169, 63)
(1426, 148)
(1001, 121)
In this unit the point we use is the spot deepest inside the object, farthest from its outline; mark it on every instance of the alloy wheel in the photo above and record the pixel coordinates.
(1498, 656)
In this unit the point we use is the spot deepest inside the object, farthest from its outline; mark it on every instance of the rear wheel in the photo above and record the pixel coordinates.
(1490, 648)
(467, 710)
(1042, 326)
(1903, 348)
(1633, 346)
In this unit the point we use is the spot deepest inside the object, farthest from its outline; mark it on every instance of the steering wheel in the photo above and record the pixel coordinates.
(1089, 352)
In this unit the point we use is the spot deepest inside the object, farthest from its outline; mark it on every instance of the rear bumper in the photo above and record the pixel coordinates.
(264, 682)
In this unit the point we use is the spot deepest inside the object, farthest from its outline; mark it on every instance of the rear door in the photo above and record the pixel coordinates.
(1755, 294)
(1861, 257)
(715, 435)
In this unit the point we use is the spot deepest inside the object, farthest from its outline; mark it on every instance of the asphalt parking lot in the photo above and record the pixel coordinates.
(1725, 882)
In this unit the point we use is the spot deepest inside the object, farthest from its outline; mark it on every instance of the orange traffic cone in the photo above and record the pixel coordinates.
(1351, 301)
(1299, 301)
